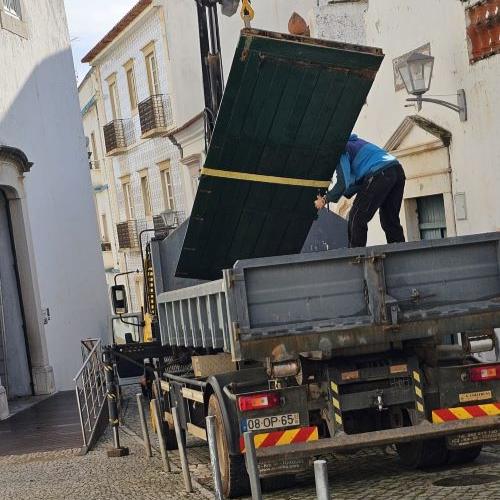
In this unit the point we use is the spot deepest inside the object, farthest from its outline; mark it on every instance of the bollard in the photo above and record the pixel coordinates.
(144, 427)
(111, 393)
(321, 479)
(214, 457)
(182, 451)
(161, 435)
(252, 466)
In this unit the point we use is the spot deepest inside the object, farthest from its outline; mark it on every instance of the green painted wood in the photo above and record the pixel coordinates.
(288, 109)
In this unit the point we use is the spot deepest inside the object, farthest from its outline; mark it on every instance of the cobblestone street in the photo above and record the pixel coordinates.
(375, 474)
(372, 474)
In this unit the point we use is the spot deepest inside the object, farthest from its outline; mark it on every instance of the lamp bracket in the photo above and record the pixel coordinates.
(460, 107)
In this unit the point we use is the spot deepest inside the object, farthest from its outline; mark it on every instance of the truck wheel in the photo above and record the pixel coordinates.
(423, 454)
(464, 456)
(234, 476)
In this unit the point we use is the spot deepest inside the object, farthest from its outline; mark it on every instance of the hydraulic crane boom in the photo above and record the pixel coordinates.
(211, 61)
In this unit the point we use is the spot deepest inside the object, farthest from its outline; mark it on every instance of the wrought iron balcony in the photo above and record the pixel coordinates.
(155, 114)
(127, 234)
(114, 137)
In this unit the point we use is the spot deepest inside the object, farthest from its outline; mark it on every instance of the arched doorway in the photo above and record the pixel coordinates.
(25, 367)
(15, 369)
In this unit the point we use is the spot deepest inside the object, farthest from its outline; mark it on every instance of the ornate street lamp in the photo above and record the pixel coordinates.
(417, 75)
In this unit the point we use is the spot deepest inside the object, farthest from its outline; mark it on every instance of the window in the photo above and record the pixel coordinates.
(166, 185)
(127, 195)
(151, 68)
(132, 90)
(146, 197)
(13, 7)
(431, 217)
(93, 149)
(104, 228)
(113, 97)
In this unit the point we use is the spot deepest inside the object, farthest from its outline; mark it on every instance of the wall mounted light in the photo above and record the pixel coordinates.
(417, 76)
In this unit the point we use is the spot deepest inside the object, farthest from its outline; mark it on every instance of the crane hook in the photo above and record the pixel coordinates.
(247, 13)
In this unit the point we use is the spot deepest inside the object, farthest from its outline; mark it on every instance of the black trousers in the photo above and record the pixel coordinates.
(384, 192)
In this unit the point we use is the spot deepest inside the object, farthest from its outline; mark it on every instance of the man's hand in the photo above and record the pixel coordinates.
(320, 202)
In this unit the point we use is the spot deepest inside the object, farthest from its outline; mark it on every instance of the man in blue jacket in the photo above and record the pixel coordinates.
(378, 180)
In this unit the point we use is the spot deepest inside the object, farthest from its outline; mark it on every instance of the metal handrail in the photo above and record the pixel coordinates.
(96, 346)
(90, 389)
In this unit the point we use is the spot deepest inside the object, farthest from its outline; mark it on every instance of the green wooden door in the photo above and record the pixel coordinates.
(287, 112)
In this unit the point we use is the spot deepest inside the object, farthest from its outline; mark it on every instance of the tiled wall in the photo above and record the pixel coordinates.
(141, 154)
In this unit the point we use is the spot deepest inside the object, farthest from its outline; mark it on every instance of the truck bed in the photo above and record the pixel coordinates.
(327, 302)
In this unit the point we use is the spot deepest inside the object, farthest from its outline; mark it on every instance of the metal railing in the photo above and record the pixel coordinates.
(114, 136)
(90, 388)
(155, 113)
(128, 234)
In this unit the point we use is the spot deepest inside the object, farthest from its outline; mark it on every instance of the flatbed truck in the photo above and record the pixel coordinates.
(314, 352)
(338, 350)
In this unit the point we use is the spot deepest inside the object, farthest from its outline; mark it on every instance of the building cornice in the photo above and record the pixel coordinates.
(17, 157)
(119, 27)
(415, 120)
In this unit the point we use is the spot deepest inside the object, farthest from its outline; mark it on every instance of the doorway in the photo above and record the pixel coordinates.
(15, 372)
(431, 217)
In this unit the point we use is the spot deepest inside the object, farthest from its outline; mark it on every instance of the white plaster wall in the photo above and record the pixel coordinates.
(475, 149)
(184, 46)
(39, 113)
(344, 22)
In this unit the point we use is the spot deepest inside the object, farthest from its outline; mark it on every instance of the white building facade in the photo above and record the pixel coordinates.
(52, 286)
(453, 179)
(101, 172)
(132, 67)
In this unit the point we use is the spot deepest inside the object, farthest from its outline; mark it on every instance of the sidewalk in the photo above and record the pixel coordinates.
(50, 424)
(59, 475)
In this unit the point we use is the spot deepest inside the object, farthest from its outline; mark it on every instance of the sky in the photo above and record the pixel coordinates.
(89, 21)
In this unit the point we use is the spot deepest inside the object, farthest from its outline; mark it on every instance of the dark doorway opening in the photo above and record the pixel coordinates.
(15, 365)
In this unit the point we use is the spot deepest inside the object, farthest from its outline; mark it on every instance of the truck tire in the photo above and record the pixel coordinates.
(423, 454)
(464, 456)
(234, 476)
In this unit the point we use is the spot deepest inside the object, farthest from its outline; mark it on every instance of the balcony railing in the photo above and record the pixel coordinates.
(127, 234)
(155, 114)
(105, 246)
(114, 137)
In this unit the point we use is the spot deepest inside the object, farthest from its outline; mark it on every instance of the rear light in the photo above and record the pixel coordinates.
(259, 401)
(482, 373)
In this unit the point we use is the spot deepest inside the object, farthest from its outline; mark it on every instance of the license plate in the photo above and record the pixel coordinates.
(270, 422)
(473, 438)
(287, 465)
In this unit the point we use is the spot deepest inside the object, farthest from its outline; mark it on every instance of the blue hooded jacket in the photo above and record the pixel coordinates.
(359, 160)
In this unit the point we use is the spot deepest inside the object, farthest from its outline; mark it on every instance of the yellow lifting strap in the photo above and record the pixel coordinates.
(247, 13)
(269, 179)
